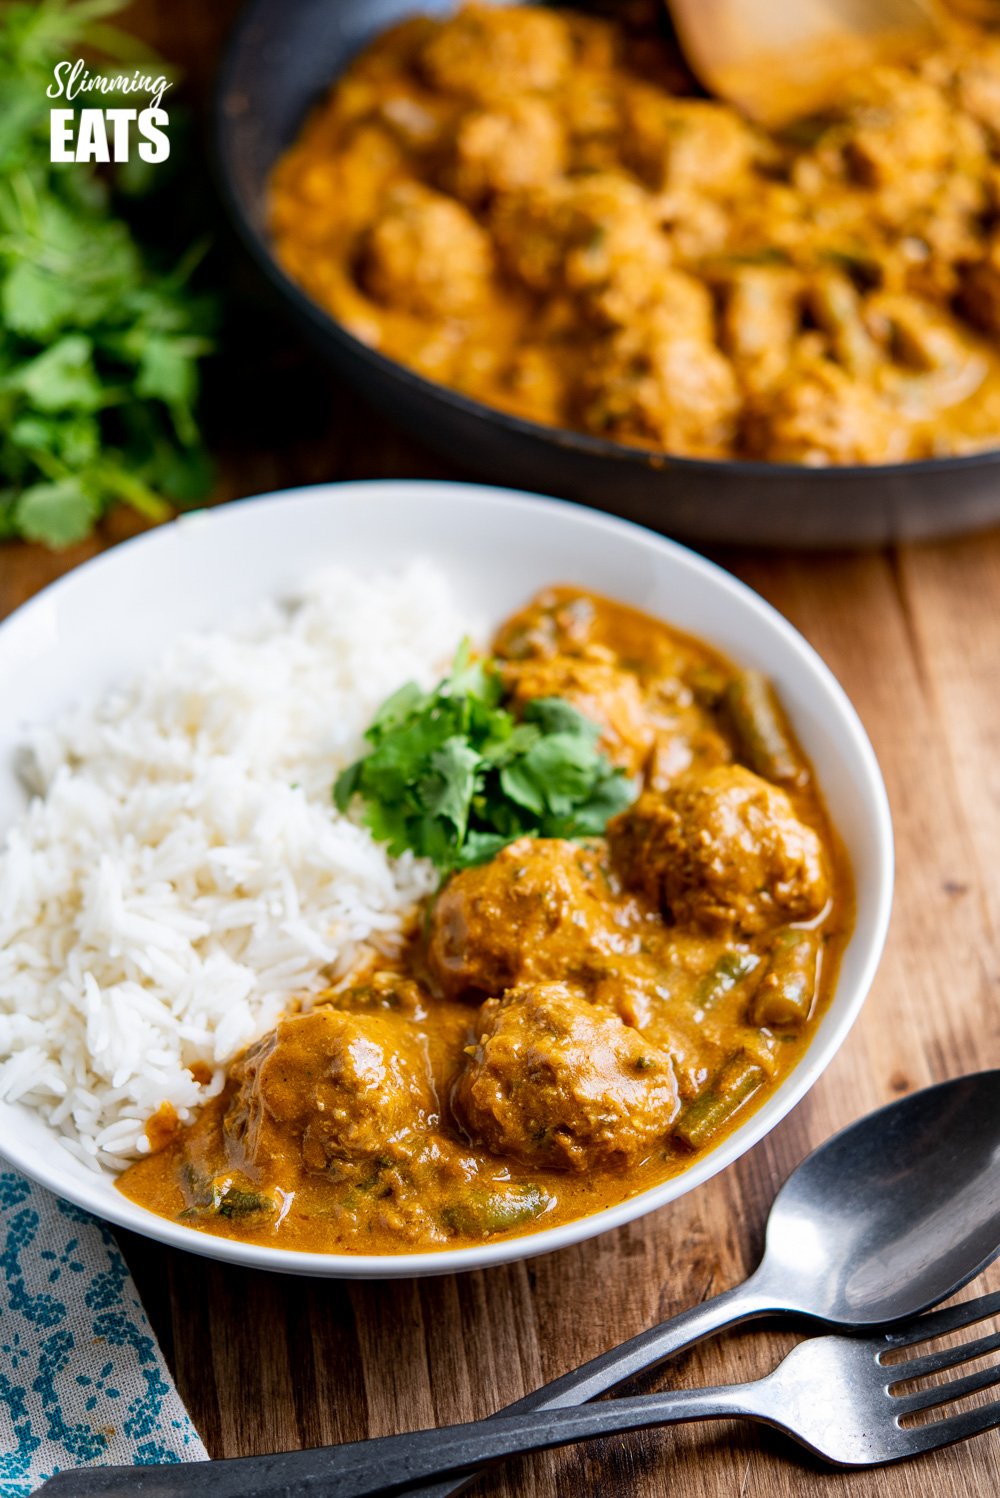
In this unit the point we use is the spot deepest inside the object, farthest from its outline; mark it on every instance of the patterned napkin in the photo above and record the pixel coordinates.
(82, 1381)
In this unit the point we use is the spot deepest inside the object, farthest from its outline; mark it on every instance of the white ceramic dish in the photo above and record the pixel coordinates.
(103, 621)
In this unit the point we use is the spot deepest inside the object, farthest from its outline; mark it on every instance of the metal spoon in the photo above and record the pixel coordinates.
(889, 1217)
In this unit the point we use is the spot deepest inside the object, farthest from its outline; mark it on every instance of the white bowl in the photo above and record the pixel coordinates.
(102, 622)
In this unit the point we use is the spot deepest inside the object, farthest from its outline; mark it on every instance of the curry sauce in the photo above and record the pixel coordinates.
(569, 1023)
(524, 204)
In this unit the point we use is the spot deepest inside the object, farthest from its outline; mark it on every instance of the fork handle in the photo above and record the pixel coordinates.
(391, 1463)
(639, 1354)
(302, 1473)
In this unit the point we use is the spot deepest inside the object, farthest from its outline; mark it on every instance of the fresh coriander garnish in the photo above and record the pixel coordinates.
(453, 776)
(100, 345)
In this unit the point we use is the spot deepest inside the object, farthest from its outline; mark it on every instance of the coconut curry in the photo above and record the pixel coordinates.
(526, 205)
(568, 1023)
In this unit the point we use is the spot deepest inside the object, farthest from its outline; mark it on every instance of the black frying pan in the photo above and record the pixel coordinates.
(282, 57)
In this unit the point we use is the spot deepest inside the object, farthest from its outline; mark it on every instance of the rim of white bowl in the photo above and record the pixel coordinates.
(818, 1055)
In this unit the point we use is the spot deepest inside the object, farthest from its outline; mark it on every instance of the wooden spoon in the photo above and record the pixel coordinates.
(774, 61)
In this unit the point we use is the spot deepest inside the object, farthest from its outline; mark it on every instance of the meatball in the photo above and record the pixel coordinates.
(686, 744)
(600, 690)
(596, 238)
(557, 622)
(684, 143)
(515, 145)
(324, 1087)
(722, 849)
(425, 254)
(317, 194)
(818, 415)
(897, 128)
(651, 385)
(635, 289)
(488, 52)
(681, 305)
(558, 1083)
(533, 911)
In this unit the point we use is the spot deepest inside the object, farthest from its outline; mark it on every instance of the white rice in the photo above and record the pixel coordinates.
(181, 873)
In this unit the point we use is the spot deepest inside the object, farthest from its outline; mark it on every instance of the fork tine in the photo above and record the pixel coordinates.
(937, 1362)
(956, 1428)
(947, 1393)
(940, 1323)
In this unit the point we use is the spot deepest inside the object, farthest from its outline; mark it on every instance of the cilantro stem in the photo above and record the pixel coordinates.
(135, 493)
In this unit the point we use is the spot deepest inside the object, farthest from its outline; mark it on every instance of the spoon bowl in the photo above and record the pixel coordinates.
(777, 62)
(894, 1213)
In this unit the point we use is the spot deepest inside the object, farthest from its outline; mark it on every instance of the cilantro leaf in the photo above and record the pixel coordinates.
(34, 302)
(63, 377)
(448, 788)
(166, 371)
(453, 777)
(74, 439)
(521, 785)
(57, 514)
(556, 715)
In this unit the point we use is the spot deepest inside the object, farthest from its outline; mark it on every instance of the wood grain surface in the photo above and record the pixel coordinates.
(267, 1363)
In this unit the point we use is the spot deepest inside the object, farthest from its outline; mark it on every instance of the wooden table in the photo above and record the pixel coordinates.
(266, 1363)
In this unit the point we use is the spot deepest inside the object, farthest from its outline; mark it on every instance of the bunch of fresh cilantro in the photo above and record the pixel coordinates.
(454, 777)
(99, 348)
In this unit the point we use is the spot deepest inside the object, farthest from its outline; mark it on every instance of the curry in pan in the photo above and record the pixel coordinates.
(568, 1022)
(517, 202)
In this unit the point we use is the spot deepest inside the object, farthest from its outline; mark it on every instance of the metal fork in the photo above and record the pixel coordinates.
(835, 1395)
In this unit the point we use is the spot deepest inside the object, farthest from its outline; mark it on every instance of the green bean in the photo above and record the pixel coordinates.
(235, 1203)
(765, 255)
(708, 683)
(862, 266)
(480, 1212)
(763, 738)
(732, 968)
(786, 991)
(806, 131)
(732, 1086)
(227, 1196)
